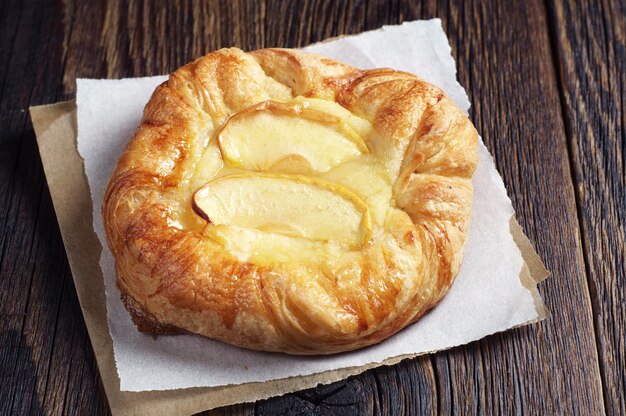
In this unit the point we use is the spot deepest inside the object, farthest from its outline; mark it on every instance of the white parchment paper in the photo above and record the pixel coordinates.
(487, 296)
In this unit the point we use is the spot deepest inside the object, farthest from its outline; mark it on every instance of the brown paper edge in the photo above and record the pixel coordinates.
(55, 128)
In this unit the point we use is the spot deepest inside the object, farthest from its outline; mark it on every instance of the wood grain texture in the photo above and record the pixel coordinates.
(590, 43)
(548, 92)
(46, 361)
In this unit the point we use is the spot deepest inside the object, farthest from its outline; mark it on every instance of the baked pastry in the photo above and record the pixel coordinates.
(283, 201)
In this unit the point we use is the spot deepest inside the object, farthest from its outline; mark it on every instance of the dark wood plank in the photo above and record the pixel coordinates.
(505, 62)
(13, 313)
(590, 42)
(43, 336)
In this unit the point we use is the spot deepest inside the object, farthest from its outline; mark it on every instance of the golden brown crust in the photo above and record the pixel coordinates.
(146, 321)
(178, 278)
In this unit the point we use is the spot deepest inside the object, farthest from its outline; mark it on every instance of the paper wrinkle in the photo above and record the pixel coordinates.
(487, 296)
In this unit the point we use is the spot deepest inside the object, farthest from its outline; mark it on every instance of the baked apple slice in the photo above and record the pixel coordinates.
(293, 205)
(262, 135)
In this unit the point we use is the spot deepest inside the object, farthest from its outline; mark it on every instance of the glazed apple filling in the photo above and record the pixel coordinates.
(280, 179)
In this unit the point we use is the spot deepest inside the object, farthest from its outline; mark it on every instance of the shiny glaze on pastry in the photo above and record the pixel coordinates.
(368, 172)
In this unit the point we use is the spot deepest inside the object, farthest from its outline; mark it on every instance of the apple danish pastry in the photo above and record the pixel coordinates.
(283, 201)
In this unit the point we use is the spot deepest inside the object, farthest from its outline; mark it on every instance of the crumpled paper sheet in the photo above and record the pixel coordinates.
(487, 296)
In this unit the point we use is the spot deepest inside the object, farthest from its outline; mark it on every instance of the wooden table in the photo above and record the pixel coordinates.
(548, 86)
